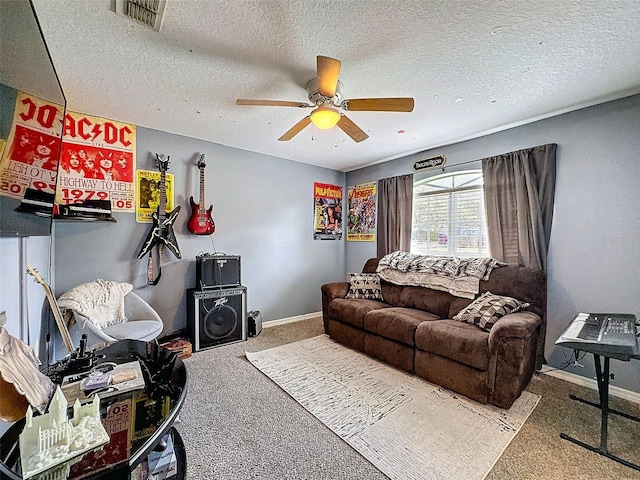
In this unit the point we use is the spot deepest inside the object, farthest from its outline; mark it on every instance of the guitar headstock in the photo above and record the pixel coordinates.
(162, 162)
(34, 273)
(200, 163)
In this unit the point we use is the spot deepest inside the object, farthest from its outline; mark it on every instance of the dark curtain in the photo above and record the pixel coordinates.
(519, 188)
(395, 202)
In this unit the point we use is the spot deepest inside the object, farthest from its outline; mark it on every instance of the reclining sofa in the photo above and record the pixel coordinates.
(419, 330)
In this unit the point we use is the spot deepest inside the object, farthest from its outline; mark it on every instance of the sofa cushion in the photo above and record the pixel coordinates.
(364, 285)
(426, 299)
(458, 341)
(353, 310)
(396, 323)
(487, 309)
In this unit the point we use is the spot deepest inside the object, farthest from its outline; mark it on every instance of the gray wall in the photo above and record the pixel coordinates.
(263, 211)
(594, 256)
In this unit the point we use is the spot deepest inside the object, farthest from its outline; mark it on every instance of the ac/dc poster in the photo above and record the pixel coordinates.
(97, 162)
(148, 186)
(361, 217)
(30, 156)
(327, 201)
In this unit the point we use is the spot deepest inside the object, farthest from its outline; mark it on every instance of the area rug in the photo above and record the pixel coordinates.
(405, 426)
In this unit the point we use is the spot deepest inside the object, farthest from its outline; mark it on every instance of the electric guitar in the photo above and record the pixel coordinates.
(200, 222)
(162, 229)
(62, 326)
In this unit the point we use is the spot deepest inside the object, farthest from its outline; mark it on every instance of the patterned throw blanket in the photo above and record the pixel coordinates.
(456, 275)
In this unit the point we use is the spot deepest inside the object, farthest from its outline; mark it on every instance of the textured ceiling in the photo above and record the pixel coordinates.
(472, 67)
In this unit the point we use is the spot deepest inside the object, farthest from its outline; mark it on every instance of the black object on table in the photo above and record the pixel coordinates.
(155, 408)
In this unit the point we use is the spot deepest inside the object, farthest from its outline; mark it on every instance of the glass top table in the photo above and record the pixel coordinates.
(137, 421)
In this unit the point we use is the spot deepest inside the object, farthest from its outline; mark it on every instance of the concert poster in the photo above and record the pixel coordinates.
(327, 202)
(97, 162)
(30, 156)
(148, 188)
(361, 217)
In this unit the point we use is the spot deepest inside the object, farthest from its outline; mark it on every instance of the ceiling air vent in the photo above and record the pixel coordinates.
(146, 12)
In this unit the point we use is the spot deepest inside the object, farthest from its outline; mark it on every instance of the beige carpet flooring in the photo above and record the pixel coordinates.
(237, 424)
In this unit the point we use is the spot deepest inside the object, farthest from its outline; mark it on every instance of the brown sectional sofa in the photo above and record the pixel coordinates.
(412, 329)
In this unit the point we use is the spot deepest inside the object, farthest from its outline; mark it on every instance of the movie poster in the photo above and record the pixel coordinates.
(148, 186)
(327, 200)
(361, 217)
(97, 162)
(30, 156)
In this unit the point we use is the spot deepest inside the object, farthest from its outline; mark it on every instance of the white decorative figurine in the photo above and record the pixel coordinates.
(53, 438)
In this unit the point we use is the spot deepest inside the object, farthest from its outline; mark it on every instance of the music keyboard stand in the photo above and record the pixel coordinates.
(602, 376)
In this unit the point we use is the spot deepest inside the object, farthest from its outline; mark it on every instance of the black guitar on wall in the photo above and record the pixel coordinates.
(162, 230)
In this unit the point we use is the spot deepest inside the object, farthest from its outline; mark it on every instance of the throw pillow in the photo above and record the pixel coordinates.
(364, 285)
(487, 309)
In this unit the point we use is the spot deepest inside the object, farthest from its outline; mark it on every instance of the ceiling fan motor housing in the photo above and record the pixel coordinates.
(318, 99)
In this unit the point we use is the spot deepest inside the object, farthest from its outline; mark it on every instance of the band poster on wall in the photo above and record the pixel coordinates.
(327, 201)
(97, 162)
(148, 185)
(361, 218)
(30, 156)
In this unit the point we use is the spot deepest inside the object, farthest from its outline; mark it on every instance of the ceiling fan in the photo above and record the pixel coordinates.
(325, 95)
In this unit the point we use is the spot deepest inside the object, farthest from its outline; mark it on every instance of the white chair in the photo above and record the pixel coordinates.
(142, 321)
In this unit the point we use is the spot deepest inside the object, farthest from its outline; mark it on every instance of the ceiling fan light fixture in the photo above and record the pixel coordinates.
(325, 117)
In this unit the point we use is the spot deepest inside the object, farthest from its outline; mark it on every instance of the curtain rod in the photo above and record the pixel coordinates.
(463, 163)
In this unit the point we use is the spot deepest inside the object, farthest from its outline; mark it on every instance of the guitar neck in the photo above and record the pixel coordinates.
(202, 202)
(162, 206)
(55, 309)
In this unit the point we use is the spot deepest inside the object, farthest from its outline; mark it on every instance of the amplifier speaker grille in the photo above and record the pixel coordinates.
(216, 317)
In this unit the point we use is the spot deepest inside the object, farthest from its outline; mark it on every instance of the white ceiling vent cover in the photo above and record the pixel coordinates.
(146, 12)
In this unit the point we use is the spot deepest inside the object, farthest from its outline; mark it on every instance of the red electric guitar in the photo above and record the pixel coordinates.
(200, 221)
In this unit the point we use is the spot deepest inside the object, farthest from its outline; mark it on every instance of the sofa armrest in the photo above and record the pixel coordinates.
(329, 292)
(517, 325)
(335, 290)
(512, 356)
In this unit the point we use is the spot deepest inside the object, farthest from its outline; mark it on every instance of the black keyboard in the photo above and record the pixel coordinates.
(610, 334)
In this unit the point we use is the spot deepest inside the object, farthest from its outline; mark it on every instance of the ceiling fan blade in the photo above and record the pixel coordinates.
(271, 103)
(351, 129)
(328, 73)
(405, 104)
(296, 129)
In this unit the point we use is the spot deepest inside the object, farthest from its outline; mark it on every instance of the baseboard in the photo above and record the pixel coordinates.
(590, 383)
(297, 318)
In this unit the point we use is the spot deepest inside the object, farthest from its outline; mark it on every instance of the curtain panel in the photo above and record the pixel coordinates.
(519, 189)
(395, 203)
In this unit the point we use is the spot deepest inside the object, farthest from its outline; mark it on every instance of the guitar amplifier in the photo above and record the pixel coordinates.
(217, 271)
(216, 317)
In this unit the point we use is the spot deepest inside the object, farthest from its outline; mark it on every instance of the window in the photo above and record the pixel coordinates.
(448, 215)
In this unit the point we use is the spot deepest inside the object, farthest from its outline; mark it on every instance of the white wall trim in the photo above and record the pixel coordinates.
(297, 318)
(590, 383)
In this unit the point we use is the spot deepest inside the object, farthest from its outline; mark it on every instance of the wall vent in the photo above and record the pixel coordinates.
(146, 12)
